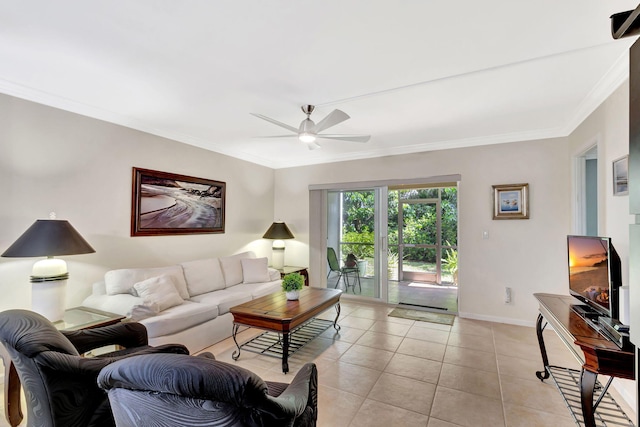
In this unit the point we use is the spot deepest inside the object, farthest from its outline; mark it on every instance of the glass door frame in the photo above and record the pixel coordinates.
(333, 237)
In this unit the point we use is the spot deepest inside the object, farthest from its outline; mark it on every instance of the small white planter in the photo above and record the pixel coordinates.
(362, 267)
(293, 295)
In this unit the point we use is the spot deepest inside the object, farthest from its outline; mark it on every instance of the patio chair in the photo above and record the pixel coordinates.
(334, 267)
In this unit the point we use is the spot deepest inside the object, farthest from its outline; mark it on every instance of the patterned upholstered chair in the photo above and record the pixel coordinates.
(166, 390)
(60, 385)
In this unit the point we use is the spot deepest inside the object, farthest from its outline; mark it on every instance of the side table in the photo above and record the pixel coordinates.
(291, 269)
(74, 319)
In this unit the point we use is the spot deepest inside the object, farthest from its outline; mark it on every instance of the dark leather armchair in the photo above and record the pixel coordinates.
(166, 390)
(60, 385)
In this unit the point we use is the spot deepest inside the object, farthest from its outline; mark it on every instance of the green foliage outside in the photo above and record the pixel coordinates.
(361, 251)
(450, 260)
(420, 222)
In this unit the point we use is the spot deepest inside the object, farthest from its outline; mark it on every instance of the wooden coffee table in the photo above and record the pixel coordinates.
(274, 313)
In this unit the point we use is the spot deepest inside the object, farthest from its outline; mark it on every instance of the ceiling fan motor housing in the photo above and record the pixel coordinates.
(308, 109)
(307, 126)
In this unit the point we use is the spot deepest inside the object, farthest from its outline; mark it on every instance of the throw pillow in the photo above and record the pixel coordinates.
(232, 269)
(122, 281)
(255, 270)
(159, 290)
(143, 311)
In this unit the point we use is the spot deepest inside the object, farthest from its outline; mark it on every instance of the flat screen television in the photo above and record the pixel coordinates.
(595, 273)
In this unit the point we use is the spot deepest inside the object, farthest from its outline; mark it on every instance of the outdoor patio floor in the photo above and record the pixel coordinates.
(428, 296)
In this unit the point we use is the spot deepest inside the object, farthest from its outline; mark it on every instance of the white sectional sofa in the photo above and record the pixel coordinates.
(187, 303)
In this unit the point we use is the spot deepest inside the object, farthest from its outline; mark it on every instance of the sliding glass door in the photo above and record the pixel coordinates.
(354, 232)
(395, 244)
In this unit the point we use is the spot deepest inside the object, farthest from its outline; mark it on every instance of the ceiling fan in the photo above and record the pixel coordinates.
(309, 131)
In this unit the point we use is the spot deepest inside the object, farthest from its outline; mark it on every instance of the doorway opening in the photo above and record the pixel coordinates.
(586, 192)
(423, 247)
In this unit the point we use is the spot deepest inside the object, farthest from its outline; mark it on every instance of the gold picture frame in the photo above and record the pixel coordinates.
(168, 204)
(511, 201)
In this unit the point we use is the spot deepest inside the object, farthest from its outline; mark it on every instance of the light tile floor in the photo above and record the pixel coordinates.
(386, 371)
(411, 293)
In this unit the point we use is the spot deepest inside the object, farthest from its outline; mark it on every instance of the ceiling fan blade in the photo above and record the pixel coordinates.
(351, 138)
(312, 145)
(275, 122)
(277, 136)
(332, 119)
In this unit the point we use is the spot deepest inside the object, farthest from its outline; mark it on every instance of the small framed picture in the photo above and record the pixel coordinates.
(621, 176)
(511, 201)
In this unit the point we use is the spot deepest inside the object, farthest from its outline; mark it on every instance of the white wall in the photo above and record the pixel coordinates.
(81, 168)
(527, 255)
(609, 127)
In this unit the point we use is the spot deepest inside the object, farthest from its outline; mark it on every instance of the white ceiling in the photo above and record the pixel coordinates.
(416, 75)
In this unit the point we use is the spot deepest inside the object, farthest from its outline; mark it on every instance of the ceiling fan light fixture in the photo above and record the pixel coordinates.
(307, 137)
(312, 145)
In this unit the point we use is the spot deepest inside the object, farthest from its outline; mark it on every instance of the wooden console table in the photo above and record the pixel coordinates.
(598, 355)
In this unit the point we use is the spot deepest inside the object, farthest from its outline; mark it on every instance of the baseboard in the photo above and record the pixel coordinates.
(624, 390)
(496, 319)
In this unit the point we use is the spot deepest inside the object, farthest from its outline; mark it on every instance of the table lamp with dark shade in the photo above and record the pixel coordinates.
(49, 237)
(278, 232)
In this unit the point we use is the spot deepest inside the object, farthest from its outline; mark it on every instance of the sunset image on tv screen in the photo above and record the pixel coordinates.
(588, 269)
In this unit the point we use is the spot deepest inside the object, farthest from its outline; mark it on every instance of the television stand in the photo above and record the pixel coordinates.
(598, 355)
(586, 312)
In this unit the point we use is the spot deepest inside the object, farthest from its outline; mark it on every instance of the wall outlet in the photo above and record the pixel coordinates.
(507, 295)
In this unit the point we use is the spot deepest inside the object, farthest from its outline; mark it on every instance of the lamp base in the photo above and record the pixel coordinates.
(277, 258)
(48, 298)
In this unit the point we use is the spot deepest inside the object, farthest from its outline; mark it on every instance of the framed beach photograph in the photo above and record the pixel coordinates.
(621, 176)
(511, 201)
(165, 203)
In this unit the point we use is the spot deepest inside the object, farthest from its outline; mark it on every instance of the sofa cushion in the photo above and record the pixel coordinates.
(232, 268)
(273, 274)
(122, 281)
(224, 299)
(203, 276)
(121, 304)
(255, 270)
(179, 318)
(159, 291)
(257, 290)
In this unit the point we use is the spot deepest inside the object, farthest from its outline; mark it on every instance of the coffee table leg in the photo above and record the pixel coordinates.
(285, 352)
(335, 322)
(236, 353)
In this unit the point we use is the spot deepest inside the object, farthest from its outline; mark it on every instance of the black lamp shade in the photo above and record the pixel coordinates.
(279, 231)
(49, 237)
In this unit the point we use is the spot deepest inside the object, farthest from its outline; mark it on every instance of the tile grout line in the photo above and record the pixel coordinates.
(495, 347)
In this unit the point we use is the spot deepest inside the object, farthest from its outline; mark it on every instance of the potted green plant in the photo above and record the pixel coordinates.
(450, 263)
(291, 284)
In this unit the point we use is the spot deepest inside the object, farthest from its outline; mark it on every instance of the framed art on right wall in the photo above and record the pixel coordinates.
(511, 201)
(621, 176)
